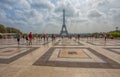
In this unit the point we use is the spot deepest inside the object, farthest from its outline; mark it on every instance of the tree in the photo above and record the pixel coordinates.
(115, 33)
(2, 29)
(13, 30)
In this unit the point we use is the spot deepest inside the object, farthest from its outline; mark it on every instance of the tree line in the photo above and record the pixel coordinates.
(4, 29)
(115, 33)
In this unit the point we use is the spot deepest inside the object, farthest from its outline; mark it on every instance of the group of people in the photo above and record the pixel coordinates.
(45, 37)
(108, 36)
(28, 38)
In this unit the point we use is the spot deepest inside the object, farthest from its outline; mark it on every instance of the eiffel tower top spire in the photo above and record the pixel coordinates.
(64, 16)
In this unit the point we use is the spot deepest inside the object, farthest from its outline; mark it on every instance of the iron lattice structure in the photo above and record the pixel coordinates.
(64, 31)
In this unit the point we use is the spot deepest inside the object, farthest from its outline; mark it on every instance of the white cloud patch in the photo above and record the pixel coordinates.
(41, 16)
(42, 4)
(94, 14)
(114, 15)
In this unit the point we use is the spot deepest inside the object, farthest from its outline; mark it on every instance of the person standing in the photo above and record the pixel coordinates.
(52, 37)
(30, 38)
(26, 39)
(18, 38)
(44, 36)
(47, 37)
(78, 37)
(105, 36)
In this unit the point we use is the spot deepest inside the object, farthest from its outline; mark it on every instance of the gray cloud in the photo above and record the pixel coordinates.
(94, 14)
(114, 16)
(42, 4)
(46, 15)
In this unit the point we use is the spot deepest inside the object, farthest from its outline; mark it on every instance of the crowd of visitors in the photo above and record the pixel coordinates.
(29, 37)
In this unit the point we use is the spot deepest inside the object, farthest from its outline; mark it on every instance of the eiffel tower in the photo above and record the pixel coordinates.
(64, 31)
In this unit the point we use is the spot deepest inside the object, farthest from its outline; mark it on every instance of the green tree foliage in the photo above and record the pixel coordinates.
(25, 34)
(2, 29)
(115, 33)
(13, 30)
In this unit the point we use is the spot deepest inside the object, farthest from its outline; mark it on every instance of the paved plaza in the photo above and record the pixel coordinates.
(65, 57)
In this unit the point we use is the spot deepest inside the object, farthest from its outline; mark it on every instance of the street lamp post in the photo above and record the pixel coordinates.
(116, 28)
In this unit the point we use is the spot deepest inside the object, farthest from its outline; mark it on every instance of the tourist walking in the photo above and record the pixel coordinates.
(105, 36)
(53, 37)
(26, 40)
(44, 36)
(18, 38)
(47, 37)
(78, 37)
(30, 38)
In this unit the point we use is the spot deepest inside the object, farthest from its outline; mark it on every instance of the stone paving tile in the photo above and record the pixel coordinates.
(10, 71)
(4, 60)
(23, 67)
(115, 50)
(3, 66)
(111, 55)
(44, 61)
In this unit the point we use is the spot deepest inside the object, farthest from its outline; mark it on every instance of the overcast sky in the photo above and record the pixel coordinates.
(45, 16)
